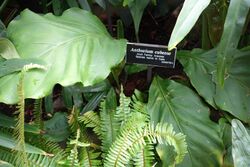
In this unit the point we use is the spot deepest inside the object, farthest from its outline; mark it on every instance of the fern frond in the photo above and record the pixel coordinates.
(92, 120)
(73, 120)
(129, 143)
(19, 129)
(34, 160)
(91, 158)
(122, 111)
(109, 127)
(38, 113)
(145, 157)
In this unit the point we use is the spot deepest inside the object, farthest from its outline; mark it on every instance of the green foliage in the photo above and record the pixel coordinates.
(57, 127)
(77, 38)
(128, 132)
(178, 105)
(235, 21)
(189, 14)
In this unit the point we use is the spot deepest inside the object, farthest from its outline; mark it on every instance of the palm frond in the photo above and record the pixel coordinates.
(129, 143)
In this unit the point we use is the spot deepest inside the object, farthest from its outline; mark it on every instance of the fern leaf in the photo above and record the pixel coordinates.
(91, 120)
(123, 111)
(90, 158)
(19, 129)
(73, 120)
(34, 160)
(145, 157)
(109, 126)
(38, 113)
(129, 143)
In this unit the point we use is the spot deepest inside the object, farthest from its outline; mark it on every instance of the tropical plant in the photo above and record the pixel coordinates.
(77, 51)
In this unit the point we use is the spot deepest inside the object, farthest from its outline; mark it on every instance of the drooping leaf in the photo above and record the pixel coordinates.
(235, 20)
(9, 122)
(200, 67)
(178, 105)
(73, 46)
(7, 49)
(7, 141)
(16, 65)
(56, 129)
(189, 14)
(241, 143)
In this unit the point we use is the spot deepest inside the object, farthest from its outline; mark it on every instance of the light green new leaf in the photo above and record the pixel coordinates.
(200, 67)
(7, 141)
(76, 47)
(189, 14)
(178, 105)
(235, 21)
(241, 144)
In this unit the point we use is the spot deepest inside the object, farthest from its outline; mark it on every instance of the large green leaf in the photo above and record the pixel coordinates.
(189, 14)
(75, 46)
(178, 105)
(234, 97)
(235, 21)
(241, 144)
(5, 164)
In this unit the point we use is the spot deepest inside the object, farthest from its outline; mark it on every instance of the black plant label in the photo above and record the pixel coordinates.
(151, 55)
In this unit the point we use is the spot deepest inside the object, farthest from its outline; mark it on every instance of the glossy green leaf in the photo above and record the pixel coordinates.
(7, 49)
(178, 105)
(9, 122)
(56, 129)
(74, 46)
(7, 141)
(199, 66)
(235, 20)
(189, 14)
(241, 144)
(234, 97)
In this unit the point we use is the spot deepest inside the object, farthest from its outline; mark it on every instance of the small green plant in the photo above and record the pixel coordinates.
(125, 134)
